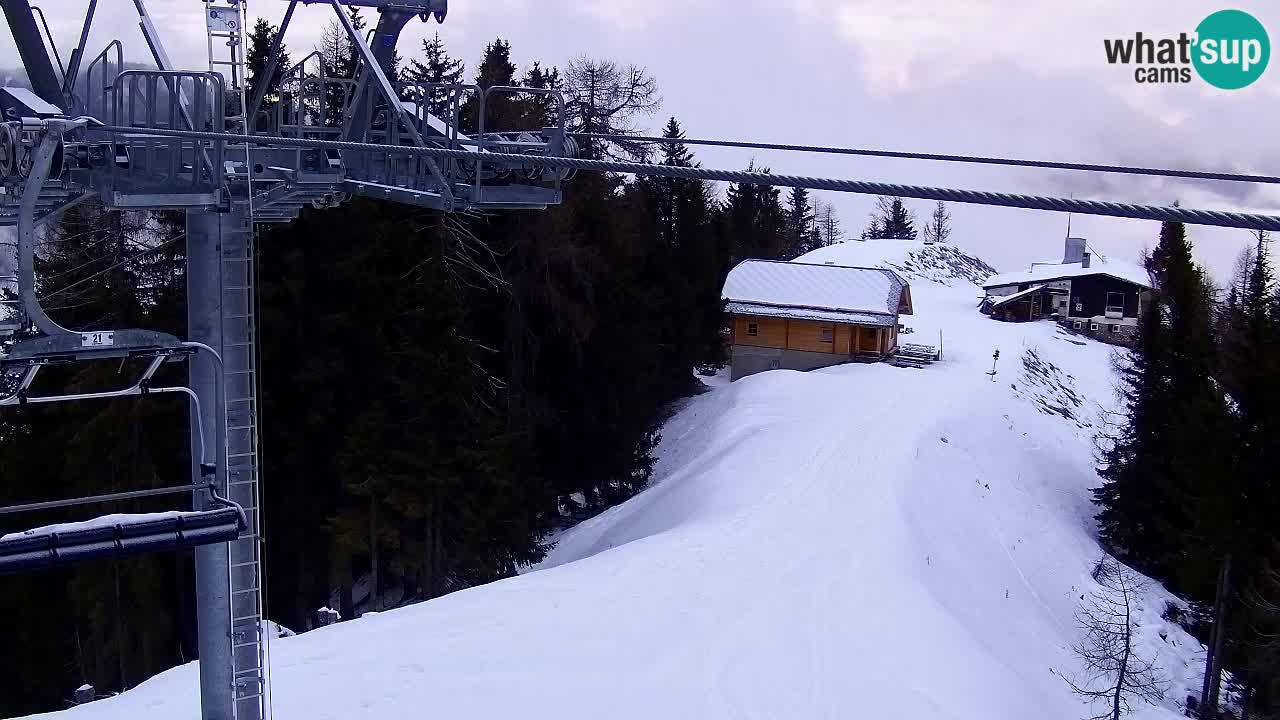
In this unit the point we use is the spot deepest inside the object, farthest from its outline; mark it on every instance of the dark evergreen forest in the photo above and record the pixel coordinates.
(440, 392)
(1188, 497)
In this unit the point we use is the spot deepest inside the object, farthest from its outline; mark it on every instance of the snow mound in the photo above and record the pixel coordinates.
(855, 541)
(913, 259)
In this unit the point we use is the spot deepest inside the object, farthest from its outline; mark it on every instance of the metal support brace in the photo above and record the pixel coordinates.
(77, 55)
(27, 235)
(35, 57)
(393, 19)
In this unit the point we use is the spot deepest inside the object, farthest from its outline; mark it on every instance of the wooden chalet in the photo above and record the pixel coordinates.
(801, 316)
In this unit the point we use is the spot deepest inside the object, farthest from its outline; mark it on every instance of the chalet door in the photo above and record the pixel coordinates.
(1035, 306)
(868, 340)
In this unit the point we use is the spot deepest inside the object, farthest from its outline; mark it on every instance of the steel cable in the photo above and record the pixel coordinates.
(1221, 218)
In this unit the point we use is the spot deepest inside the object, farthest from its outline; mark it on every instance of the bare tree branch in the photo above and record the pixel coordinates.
(1113, 671)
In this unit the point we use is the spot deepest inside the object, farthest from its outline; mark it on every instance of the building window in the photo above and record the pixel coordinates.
(753, 329)
(826, 335)
(1077, 325)
(1079, 306)
(1115, 303)
(1115, 328)
(1093, 327)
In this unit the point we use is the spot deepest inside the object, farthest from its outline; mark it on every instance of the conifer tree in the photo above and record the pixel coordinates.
(897, 222)
(799, 224)
(436, 67)
(264, 33)
(754, 220)
(538, 110)
(501, 110)
(1251, 359)
(1163, 506)
(688, 253)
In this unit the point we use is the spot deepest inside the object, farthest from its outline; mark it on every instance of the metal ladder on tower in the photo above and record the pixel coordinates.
(224, 20)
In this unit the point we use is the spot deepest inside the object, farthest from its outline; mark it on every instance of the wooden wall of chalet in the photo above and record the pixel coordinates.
(770, 332)
(807, 335)
(844, 339)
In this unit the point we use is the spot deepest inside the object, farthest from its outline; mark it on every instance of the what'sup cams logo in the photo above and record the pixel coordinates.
(1228, 50)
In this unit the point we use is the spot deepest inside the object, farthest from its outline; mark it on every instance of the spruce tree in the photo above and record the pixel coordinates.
(264, 33)
(890, 219)
(436, 67)
(1251, 363)
(502, 112)
(1162, 506)
(688, 254)
(799, 224)
(897, 222)
(754, 220)
(538, 110)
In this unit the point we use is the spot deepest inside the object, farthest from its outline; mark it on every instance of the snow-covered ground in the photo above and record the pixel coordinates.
(858, 541)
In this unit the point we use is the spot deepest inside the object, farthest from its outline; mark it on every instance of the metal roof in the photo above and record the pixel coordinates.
(1002, 300)
(817, 291)
(1065, 271)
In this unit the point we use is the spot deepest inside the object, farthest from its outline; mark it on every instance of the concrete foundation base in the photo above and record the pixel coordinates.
(749, 360)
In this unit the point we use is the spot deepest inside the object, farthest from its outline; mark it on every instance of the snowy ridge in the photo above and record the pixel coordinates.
(942, 264)
(857, 541)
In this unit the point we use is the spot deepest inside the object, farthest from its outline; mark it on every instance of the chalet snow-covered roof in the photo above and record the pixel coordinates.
(1046, 272)
(1002, 300)
(833, 293)
(800, 313)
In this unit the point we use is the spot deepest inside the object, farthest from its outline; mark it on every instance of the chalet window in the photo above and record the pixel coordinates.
(1077, 325)
(753, 329)
(826, 335)
(1115, 328)
(1093, 327)
(1115, 302)
(1079, 306)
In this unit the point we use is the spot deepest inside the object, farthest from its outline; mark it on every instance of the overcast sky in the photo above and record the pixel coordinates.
(999, 77)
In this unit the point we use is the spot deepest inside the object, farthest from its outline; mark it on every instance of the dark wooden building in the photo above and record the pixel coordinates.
(1100, 299)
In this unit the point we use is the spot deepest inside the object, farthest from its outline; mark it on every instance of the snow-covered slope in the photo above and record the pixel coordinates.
(858, 541)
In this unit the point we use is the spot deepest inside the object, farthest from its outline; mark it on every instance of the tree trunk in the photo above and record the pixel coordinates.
(346, 605)
(373, 554)
(1123, 670)
(120, 651)
(1220, 602)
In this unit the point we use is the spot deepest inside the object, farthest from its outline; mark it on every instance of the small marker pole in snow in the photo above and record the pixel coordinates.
(994, 358)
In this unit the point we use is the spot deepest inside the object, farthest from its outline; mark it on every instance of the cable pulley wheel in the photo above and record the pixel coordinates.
(8, 151)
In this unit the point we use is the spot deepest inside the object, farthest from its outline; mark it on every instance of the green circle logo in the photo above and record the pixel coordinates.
(1232, 49)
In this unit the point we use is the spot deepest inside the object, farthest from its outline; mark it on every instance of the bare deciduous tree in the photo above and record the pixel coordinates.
(826, 222)
(1113, 670)
(605, 98)
(938, 229)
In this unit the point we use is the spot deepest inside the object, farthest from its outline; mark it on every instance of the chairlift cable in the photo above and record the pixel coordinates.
(942, 157)
(1222, 218)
